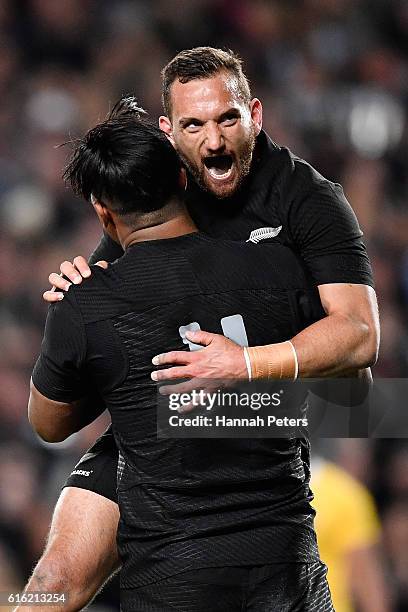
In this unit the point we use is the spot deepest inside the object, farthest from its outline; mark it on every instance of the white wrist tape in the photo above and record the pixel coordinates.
(296, 361)
(248, 363)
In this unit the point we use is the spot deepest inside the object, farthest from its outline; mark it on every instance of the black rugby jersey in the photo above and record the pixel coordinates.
(187, 503)
(285, 193)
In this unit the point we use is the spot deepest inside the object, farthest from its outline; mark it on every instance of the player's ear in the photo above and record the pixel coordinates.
(107, 219)
(167, 128)
(103, 213)
(256, 114)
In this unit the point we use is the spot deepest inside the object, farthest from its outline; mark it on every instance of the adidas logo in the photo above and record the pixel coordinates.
(263, 233)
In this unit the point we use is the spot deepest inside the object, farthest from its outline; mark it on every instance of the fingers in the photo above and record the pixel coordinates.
(52, 296)
(170, 374)
(179, 389)
(70, 273)
(82, 266)
(77, 270)
(59, 282)
(185, 357)
(198, 389)
(69, 270)
(186, 408)
(200, 337)
(74, 273)
(179, 357)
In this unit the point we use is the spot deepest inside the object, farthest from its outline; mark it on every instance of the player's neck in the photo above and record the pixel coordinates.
(179, 225)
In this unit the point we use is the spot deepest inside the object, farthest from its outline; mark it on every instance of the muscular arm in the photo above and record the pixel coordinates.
(55, 421)
(325, 232)
(81, 554)
(341, 344)
(62, 398)
(347, 339)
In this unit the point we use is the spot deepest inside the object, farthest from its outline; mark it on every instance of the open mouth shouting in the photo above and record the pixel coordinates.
(219, 167)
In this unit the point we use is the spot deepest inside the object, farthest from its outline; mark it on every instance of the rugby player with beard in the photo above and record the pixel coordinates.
(240, 182)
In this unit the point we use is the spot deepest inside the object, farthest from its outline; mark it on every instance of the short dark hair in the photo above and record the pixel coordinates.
(125, 162)
(202, 63)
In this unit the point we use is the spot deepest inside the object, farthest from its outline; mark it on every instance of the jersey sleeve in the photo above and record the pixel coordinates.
(327, 236)
(107, 250)
(97, 470)
(59, 373)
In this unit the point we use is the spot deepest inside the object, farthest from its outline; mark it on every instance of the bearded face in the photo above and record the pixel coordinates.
(214, 131)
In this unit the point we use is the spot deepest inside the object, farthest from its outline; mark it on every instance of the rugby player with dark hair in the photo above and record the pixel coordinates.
(241, 186)
(204, 524)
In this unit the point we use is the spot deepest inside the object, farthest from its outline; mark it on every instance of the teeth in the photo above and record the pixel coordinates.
(214, 174)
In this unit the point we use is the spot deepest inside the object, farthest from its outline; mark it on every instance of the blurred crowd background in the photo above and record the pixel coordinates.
(333, 77)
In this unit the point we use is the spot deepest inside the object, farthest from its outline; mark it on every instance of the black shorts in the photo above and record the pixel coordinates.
(280, 587)
(97, 469)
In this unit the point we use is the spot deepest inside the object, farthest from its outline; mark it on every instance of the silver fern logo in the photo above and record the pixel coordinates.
(263, 233)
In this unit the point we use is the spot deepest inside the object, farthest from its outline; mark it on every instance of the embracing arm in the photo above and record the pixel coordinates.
(347, 339)
(341, 344)
(324, 231)
(55, 421)
(63, 398)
